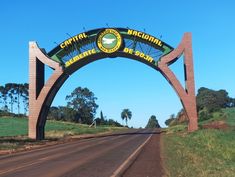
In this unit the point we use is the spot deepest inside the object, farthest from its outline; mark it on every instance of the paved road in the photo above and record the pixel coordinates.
(148, 163)
(96, 157)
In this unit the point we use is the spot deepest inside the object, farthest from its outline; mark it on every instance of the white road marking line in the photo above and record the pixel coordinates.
(129, 160)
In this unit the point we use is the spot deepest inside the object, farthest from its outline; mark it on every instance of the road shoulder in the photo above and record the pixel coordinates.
(149, 162)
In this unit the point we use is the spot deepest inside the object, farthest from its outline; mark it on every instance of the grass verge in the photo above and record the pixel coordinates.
(204, 153)
(230, 116)
(13, 132)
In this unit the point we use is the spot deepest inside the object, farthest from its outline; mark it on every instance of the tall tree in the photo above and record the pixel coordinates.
(25, 97)
(11, 93)
(62, 113)
(2, 88)
(102, 121)
(212, 100)
(54, 113)
(126, 114)
(153, 122)
(19, 90)
(83, 101)
(232, 102)
(171, 118)
(223, 98)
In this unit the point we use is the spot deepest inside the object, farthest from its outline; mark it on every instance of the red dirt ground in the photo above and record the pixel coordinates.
(216, 125)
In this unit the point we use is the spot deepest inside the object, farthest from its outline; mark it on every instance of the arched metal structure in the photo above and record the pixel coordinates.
(84, 48)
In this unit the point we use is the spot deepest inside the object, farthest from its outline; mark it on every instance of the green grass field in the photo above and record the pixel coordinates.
(204, 153)
(19, 127)
(230, 116)
(13, 126)
(13, 131)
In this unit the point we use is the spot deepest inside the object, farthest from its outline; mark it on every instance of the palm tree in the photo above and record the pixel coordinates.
(126, 114)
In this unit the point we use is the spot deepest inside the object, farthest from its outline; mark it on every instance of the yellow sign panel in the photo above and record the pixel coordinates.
(80, 56)
(145, 37)
(139, 54)
(72, 40)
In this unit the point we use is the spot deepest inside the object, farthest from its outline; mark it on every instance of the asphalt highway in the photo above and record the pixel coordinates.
(95, 157)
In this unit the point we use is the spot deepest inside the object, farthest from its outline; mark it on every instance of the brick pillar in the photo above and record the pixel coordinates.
(187, 94)
(41, 94)
(36, 83)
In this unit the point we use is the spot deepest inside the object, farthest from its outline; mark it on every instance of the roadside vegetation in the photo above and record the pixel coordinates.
(208, 152)
(153, 122)
(13, 132)
(126, 114)
(80, 105)
(205, 153)
(76, 118)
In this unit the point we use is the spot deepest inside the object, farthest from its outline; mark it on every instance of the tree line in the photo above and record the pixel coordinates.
(81, 105)
(14, 96)
(153, 122)
(208, 101)
(81, 108)
(103, 120)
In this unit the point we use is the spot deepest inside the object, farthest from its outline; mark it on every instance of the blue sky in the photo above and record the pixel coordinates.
(122, 83)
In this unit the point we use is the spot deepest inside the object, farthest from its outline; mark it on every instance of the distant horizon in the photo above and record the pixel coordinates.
(97, 115)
